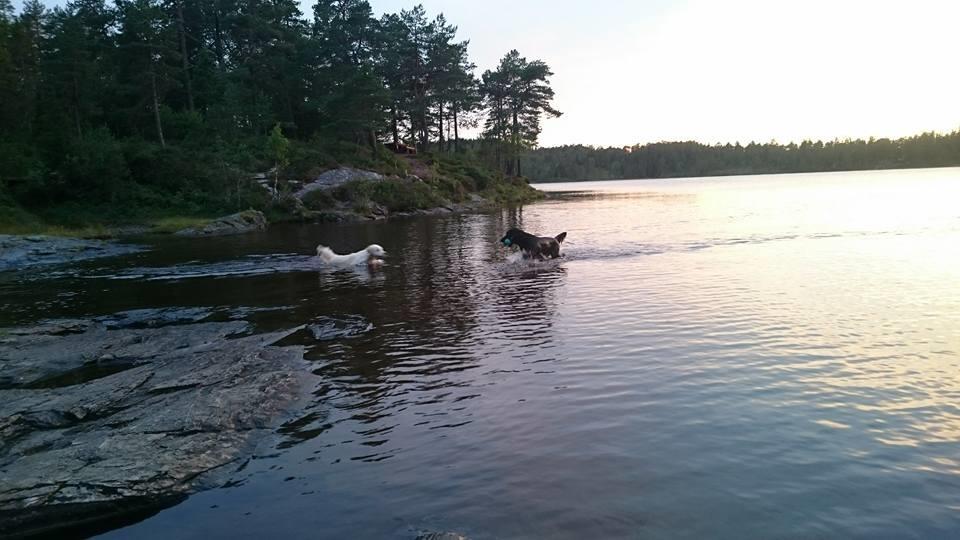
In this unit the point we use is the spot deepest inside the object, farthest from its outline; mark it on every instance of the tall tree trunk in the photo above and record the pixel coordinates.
(396, 126)
(218, 36)
(440, 130)
(515, 143)
(76, 106)
(456, 134)
(183, 55)
(499, 147)
(424, 132)
(156, 103)
(288, 102)
(276, 180)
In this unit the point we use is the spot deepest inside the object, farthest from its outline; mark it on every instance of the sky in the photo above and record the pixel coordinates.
(638, 71)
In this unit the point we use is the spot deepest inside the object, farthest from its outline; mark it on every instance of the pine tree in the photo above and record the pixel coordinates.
(347, 93)
(528, 98)
(146, 44)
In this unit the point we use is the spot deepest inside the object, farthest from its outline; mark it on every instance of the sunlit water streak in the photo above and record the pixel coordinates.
(773, 357)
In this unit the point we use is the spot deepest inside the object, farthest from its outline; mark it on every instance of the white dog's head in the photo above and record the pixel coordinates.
(376, 251)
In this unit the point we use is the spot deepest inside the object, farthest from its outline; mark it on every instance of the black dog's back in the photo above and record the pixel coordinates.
(534, 246)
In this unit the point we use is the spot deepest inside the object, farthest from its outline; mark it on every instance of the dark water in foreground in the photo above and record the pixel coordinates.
(752, 357)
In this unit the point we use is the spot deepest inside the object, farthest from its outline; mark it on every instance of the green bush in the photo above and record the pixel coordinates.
(24, 170)
(472, 175)
(186, 127)
(320, 199)
(95, 165)
(13, 218)
(363, 157)
(512, 191)
(402, 196)
(396, 195)
(308, 159)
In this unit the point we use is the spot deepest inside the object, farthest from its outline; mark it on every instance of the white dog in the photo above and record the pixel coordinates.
(371, 256)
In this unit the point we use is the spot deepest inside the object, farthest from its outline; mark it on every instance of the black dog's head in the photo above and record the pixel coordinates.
(516, 237)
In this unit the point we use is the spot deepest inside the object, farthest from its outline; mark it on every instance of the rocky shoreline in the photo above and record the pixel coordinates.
(23, 251)
(353, 212)
(376, 212)
(99, 421)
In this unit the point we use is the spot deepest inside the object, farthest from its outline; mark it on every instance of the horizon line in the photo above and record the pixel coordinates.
(772, 141)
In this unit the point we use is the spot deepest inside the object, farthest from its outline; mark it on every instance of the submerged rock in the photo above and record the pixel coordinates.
(155, 317)
(18, 252)
(328, 329)
(432, 535)
(240, 223)
(96, 421)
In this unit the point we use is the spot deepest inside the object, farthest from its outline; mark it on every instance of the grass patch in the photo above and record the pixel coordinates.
(512, 191)
(15, 220)
(89, 232)
(170, 225)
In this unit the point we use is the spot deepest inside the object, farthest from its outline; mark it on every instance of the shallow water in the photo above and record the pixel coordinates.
(762, 357)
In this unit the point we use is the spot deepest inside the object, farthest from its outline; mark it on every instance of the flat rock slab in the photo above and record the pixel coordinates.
(94, 420)
(335, 178)
(19, 252)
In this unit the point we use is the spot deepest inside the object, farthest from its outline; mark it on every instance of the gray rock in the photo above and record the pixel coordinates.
(155, 317)
(433, 535)
(96, 421)
(19, 252)
(240, 223)
(326, 328)
(337, 177)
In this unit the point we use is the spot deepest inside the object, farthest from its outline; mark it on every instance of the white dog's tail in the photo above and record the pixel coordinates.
(325, 253)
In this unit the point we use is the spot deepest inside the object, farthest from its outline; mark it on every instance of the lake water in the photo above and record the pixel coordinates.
(743, 357)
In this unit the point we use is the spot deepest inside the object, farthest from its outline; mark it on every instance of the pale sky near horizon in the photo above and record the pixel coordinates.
(738, 70)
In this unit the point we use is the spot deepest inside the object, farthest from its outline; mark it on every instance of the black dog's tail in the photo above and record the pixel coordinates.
(561, 237)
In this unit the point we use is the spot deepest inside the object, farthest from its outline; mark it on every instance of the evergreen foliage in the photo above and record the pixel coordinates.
(127, 104)
(676, 159)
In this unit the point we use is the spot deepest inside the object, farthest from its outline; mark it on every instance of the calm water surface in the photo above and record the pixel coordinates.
(750, 357)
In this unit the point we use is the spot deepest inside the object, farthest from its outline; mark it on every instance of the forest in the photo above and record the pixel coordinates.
(147, 105)
(684, 159)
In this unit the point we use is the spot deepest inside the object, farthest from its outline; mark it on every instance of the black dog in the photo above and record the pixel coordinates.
(534, 247)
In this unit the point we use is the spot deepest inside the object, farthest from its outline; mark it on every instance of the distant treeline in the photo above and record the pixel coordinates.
(173, 101)
(680, 159)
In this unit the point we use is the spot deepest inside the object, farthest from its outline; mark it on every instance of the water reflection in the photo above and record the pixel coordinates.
(458, 307)
(711, 358)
